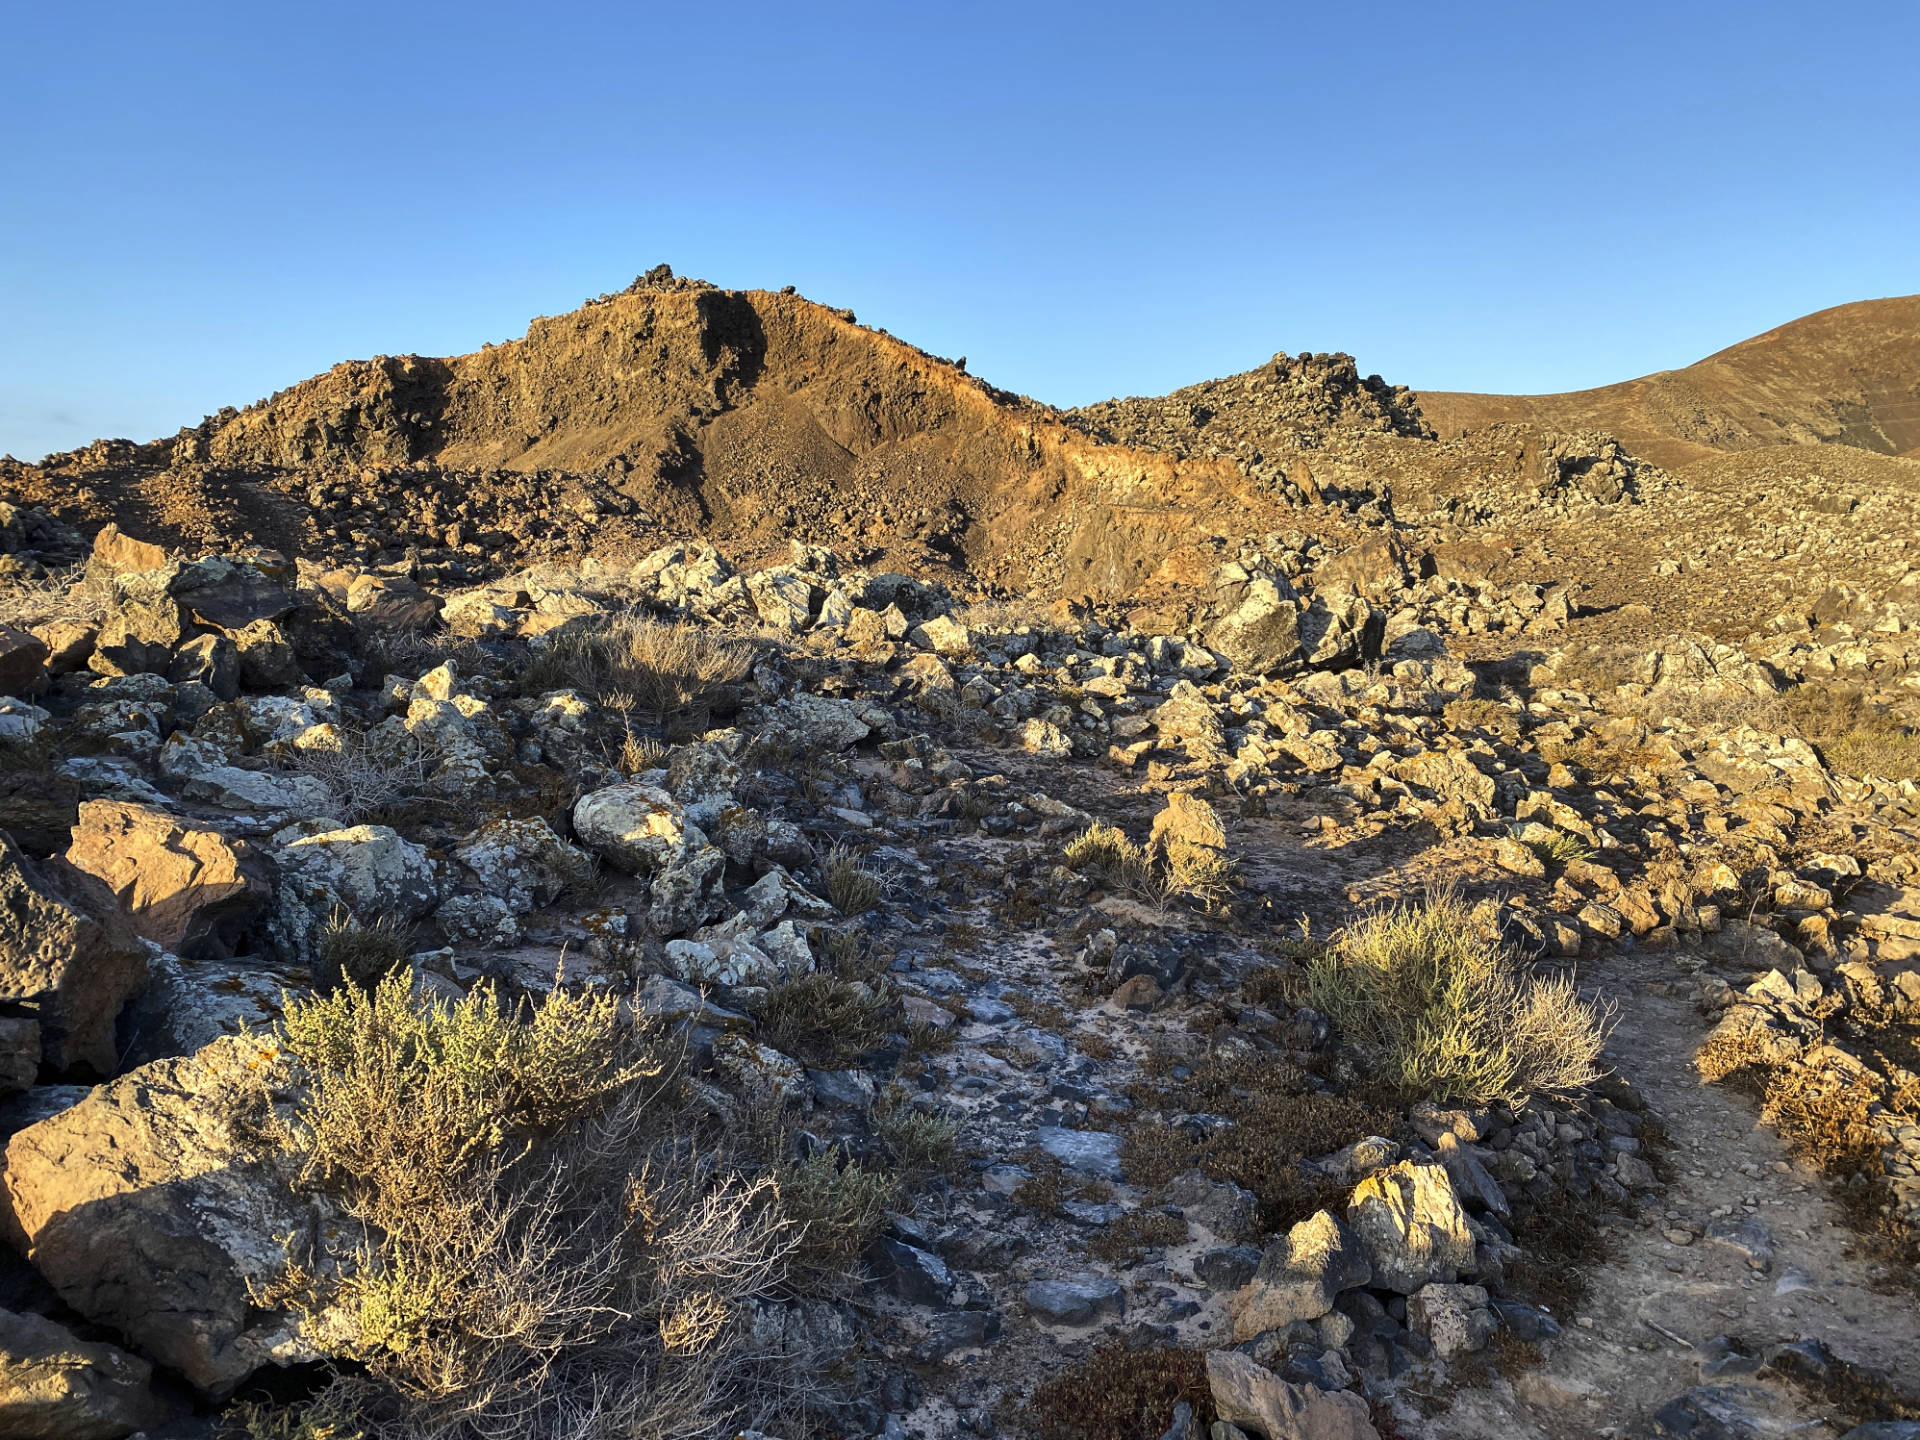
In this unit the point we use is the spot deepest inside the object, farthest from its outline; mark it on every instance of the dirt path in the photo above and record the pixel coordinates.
(1611, 1368)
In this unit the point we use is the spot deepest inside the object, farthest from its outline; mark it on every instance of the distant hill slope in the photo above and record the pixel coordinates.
(1845, 376)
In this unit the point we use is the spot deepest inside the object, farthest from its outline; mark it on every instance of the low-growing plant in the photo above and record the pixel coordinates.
(1560, 850)
(350, 953)
(546, 1245)
(1274, 1120)
(368, 774)
(850, 885)
(1119, 1393)
(824, 1020)
(1482, 715)
(840, 1207)
(1447, 1012)
(921, 1141)
(1127, 1239)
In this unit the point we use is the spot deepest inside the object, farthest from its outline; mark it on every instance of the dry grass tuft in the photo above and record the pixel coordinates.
(1196, 871)
(66, 596)
(659, 667)
(850, 885)
(1446, 1010)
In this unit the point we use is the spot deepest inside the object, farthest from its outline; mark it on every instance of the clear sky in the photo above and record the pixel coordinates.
(202, 203)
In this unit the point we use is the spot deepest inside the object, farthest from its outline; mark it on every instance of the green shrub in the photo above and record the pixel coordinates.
(1446, 1011)
(824, 1020)
(840, 1207)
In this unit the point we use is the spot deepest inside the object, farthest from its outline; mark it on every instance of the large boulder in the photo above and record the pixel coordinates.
(369, 871)
(56, 1386)
(1301, 1276)
(523, 862)
(643, 830)
(149, 1208)
(1412, 1227)
(68, 958)
(1247, 1394)
(1261, 634)
(192, 891)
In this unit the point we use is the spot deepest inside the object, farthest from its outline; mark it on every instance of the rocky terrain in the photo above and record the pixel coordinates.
(707, 873)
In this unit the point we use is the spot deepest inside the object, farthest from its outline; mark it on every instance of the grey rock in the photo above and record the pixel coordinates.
(1076, 1302)
(1709, 1412)
(1093, 1153)
(843, 1089)
(1230, 1212)
(1227, 1268)
(917, 1276)
(1412, 1227)
(958, 1330)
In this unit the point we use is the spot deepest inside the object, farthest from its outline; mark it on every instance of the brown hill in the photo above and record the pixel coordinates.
(676, 409)
(1845, 376)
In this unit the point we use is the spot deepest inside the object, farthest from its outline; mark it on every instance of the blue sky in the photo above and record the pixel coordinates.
(201, 203)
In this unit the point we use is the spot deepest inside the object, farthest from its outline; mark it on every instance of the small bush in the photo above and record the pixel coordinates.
(67, 596)
(639, 754)
(1122, 1394)
(1447, 1012)
(1853, 733)
(1560, 851)
(1178, 868)
(824, 1020)
(851, 887)
(1127, 1239)
(544, 1247)
(921, 1142)
(368, 776)
(354, 954)
(1482, 715)
(840, 1207)
(1276, 1120)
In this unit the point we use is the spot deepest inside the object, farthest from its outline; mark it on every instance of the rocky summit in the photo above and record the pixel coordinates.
(707, 873)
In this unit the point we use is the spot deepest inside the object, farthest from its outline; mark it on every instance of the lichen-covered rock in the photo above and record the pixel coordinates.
(523, 863)
(641, 829)
(1412, 1227)
(369, 871)
(192, 891)
(146, 1211)
(68, 958)
(1456, 1318)
(760, 1073)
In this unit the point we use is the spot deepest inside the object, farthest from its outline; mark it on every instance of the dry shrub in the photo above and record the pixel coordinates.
(1121, 1394)
(68, 596)
(1595, 668)
(546, 1249)
(368, 775)
(1853, 733)
(1488, 715)
(351, 953)
(824, 1020)
(1176, 867)
(850, 885)
(1276, 1120)
(1127, 1239)
(661, 667)
(1448, 1013)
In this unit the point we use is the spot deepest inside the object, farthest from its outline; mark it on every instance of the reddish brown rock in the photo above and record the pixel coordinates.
(194, 892)
(68, 958)
(23, 662)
